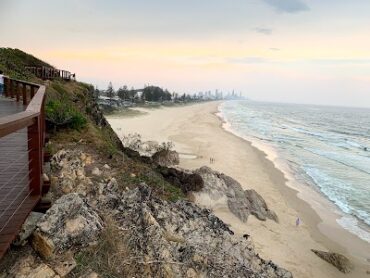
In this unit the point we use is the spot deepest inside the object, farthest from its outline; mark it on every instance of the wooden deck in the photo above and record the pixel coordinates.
(16, 201)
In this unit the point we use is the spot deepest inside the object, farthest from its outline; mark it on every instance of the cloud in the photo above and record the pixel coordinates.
(247, 60)
(339, 61)
(288, 6)
(274, 49)
(265, 31)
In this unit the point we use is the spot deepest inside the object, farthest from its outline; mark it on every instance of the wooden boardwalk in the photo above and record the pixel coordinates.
(16, 201)
(22, 138)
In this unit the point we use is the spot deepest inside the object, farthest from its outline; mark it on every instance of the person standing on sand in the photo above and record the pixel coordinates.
(1, 83)
(297, 222)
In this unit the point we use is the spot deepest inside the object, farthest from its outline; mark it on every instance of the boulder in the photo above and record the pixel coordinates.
(28, 228)
(70, 165)
(58, 159)
(341, 262)
(27, 267)
(64, 265)
(41, 271)
(96, 172)
(66, 185)
(166, 158)
(69, 222)
(222, 190)
(43, 245)
(258, 206)
(186, 180)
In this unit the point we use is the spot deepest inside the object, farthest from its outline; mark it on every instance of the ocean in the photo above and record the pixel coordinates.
(327, 148)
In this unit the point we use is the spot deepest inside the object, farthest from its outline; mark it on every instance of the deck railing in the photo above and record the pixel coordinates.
(50, 73)
(33, 118)
(21, 180)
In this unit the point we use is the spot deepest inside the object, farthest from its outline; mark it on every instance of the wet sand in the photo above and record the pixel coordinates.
(198, 135)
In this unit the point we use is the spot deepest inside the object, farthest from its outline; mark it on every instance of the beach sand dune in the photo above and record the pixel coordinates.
(198, 135)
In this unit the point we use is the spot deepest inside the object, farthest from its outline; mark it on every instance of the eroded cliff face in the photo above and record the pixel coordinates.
(222, 190)
(185, 241)
(97, 226)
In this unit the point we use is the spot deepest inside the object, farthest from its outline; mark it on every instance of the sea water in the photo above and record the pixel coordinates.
(327, 148)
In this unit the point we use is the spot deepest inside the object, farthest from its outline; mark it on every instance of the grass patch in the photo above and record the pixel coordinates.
(134, 173)
(107, 256)
(125, 113)
(97, 138)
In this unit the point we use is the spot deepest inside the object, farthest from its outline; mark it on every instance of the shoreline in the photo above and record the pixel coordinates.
(198, 131)
(304, 192)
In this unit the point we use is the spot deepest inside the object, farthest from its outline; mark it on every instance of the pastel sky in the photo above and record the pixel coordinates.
(300, 51)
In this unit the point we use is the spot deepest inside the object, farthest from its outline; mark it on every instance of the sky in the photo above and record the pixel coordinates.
(296, 51)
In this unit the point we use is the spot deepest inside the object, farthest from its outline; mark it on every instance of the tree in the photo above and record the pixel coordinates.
(153, 93)
(123, 93)
(96, 92)
(110, 93)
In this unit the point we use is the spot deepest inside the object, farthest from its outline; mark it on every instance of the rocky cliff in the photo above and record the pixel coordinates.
(99, 226)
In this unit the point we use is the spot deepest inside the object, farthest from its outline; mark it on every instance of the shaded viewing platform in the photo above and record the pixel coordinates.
(21, 155)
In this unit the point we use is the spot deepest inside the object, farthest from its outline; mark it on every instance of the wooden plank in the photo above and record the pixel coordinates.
(37, 101)
(12, 123)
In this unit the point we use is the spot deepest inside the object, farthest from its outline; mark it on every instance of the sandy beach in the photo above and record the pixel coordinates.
(198, 135)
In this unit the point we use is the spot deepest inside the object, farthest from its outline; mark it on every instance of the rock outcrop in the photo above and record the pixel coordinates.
(166, 158)
(186, 180)
(258, 206)
(28, 228)
(341, 262)
(69, 222)
(222, 190)
(182, 240)
(28, 267)
(154, 237)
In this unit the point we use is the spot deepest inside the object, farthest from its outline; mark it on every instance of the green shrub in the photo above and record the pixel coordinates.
(63, 114)
(78, 121)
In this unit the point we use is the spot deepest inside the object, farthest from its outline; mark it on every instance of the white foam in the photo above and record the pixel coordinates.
(348, 222)
(351, 224)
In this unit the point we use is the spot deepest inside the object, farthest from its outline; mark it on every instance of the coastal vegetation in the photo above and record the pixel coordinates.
(14, 61)
(111, 100)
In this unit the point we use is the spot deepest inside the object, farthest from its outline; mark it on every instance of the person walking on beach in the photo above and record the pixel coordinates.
(297, 222)
(1, 83)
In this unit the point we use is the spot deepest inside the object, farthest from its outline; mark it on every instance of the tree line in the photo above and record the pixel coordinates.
(154, 94)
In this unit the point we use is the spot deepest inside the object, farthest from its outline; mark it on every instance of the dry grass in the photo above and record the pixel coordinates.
(107, 257)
